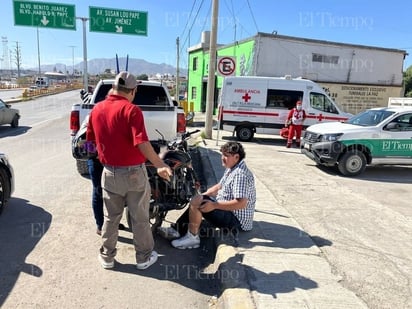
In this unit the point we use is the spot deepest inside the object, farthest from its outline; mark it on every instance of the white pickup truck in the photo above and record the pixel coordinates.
(161, 113)
(376, 136)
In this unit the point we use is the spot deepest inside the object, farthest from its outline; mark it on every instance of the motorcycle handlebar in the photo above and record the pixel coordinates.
(187, 134)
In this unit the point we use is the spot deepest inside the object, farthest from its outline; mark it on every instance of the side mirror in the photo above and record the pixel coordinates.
(393, 126)
(175, 103)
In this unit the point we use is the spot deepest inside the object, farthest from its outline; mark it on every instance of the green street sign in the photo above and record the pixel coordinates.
(117, 21)
(43, 14)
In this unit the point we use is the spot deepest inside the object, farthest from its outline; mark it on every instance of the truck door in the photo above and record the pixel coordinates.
(322, 109)
(396, 139)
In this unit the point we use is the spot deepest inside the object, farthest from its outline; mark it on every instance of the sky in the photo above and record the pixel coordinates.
(363, 22)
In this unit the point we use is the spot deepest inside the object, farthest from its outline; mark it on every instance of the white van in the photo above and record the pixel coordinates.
(42, 82)
(256, 104)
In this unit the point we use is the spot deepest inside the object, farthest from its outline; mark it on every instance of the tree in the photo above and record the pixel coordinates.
(142, 77)
(407, 81)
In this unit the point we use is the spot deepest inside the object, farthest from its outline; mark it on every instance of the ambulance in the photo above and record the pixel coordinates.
(256, 104)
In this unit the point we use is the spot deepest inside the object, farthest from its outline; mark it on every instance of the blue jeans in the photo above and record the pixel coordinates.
(95, 171)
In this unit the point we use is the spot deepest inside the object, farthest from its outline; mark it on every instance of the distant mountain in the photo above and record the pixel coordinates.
(98, 66)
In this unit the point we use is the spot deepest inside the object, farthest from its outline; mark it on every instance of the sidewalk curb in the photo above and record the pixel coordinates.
(233, 277)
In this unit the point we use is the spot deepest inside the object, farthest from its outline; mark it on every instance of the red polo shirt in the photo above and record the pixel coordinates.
(117, 127)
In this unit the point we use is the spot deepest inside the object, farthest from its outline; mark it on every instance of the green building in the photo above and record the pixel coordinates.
(199, 58)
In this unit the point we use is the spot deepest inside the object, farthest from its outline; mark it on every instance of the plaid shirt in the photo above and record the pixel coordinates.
(238, 182)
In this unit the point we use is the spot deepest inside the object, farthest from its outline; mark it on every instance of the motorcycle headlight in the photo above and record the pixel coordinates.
(330, 137)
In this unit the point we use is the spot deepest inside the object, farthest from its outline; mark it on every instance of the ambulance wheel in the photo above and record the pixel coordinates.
(245, 134)
(352, 163)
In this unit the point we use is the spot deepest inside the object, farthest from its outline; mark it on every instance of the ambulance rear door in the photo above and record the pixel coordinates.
(243, 101)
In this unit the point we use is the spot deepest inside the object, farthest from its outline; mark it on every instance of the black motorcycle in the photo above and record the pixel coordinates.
(183, 185)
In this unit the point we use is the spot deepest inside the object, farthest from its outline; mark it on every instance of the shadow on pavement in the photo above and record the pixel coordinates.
(6, 130)
(184, 267)
(22, 226)
(275, 235)
(234, 274)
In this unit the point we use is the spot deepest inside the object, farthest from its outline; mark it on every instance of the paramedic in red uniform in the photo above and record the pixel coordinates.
(295, 121)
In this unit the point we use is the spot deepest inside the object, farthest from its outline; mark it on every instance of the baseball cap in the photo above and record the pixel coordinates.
(125, 80)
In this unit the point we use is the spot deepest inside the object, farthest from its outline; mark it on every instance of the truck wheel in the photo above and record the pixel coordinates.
(82, 167)
(15, 122)
(352, 163)
(244, 134)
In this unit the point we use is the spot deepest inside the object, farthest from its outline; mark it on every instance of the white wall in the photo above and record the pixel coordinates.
(279, 56)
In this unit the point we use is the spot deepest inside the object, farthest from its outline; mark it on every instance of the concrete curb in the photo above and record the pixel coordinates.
(235, 287)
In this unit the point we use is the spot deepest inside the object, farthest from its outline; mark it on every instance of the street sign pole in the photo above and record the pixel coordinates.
(38, 49)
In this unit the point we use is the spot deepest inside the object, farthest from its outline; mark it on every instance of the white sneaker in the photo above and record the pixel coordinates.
(189, 241)
(152, 259)
(168, 232)
(105, 265)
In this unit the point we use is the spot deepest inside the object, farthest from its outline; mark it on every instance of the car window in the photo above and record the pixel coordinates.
(277, 98)
(146, 95)
(321, 102)
(150, 95)
(400, 123)
(370, 117)
(2, 104)
(102, 92)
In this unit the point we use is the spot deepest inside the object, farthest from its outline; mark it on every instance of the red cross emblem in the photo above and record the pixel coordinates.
(320, 117)
(246, 97)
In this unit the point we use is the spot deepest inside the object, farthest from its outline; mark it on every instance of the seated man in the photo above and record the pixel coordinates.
(230, 204)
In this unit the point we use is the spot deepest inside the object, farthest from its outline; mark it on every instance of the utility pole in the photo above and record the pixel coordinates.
(11, 64)
(38, 50)
(18, 59)
(5, 58)
(211, 79)
(85, 74)
(72, 47)
(177, 70)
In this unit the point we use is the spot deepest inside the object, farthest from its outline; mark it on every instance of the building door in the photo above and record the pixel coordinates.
(204, 96)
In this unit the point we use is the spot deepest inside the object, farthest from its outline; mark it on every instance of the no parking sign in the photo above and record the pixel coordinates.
(226, 66)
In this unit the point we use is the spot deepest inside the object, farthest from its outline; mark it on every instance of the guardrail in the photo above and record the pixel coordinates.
(30, 93)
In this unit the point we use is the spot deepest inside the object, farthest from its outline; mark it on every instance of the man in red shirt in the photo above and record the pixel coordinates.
(117, 129)
(295, 120)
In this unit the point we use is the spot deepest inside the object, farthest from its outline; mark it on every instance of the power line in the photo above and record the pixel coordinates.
(187, 22)
(253, 17)
(191, 27)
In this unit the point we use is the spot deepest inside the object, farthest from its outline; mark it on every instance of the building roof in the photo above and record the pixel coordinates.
(297, 39)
